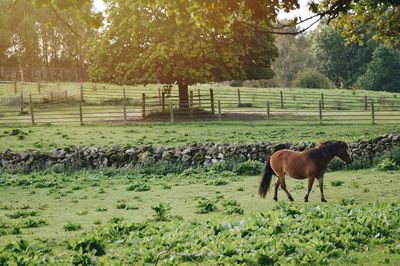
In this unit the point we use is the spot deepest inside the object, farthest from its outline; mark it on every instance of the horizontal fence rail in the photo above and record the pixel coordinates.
(79, 103)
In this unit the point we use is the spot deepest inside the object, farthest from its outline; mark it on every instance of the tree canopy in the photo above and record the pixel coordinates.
(147, 43)
(341, 63)
(383, 71)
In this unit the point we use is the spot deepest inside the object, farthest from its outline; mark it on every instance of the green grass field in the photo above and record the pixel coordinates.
(195, 215)
(163, 134)
(63, 207)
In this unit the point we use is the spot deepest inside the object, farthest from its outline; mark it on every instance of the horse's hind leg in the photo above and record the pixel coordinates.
(277, 184)
(310, 183)
(321, 187)
(283, 186)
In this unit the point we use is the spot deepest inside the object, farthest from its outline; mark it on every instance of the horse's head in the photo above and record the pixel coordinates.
(342, 152)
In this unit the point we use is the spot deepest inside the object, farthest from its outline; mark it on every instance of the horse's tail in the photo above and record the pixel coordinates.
(266, 179)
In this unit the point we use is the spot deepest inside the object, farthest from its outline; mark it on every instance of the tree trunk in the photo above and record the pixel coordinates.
(183, 96)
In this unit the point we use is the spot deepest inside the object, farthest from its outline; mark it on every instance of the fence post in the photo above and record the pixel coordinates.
(80, 113)
(66, 96)
(191, 99)
(171, 112)
(373, 111)
(51, 97)
(38, 87)
(21, 101)
(82, 92)
(124, 104)
(15, 87)
(219, 111)
(239, 101)
(366, 102)
(212, 101)
(281, 99)
(320, 112)
(322, 101)
(31, 108)
(268, 113)
(191, 104)
(199, 96)
(143, 105)
(159, 96)
(163, 100)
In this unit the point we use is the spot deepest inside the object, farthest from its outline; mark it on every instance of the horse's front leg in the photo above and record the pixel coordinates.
(309, 188)
(321, 187)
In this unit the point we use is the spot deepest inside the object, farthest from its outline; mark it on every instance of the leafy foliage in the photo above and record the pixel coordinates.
(138, 186)
(162, 212)
(166, 46)
(311, 79)
(333, 54)
(248, 168)
(70, 226)
(205, 206)
(382, 71)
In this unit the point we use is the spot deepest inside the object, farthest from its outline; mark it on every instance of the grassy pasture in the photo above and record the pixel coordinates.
(47, 137)
(58, 103)
(71, 204)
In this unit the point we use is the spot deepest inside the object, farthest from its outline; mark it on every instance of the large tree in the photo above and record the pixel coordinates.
(340, 62)
(145, 43)
(383, 71)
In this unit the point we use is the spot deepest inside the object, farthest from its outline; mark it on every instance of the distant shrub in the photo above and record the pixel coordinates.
(245, 105)
(248, 168)
(236, 83)
(311, 79)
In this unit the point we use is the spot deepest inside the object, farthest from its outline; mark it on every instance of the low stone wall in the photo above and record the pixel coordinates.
(194, 154)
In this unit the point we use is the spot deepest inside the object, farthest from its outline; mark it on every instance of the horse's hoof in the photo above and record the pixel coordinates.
(305, 200)
(324, 200)
(275, 199)
(291, 199)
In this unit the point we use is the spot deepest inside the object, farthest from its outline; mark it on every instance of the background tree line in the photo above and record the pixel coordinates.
(184, 43)
(323, 58)
(34, 39)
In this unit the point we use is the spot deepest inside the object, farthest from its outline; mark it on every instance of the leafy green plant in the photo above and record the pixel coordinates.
(387, 164)
(231, 207)
(248, 168)
(205, 206)
(90, 243)
(162, 212)
(337, 183)
(70, 226)
(22, 214)
(124, 206)
(31, 223)
(217, 182)
(138, 186)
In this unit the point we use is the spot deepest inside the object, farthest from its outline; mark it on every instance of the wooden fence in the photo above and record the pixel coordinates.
(74, 103)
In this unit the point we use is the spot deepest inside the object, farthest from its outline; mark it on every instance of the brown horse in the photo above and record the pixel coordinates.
(309, 164)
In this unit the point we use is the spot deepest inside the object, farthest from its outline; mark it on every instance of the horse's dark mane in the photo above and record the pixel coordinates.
(324, 149)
